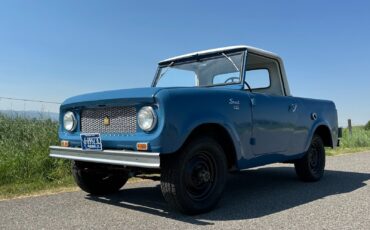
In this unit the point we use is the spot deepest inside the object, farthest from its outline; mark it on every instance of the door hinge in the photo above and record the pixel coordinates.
(253, 101)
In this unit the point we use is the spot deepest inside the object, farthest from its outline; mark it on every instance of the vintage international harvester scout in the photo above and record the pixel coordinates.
(206, 114)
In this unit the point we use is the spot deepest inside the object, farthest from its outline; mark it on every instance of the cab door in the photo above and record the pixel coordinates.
(274, 115)
(274, 122)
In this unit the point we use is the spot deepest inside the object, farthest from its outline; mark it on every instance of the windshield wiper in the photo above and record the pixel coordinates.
(236, 67)
(231, 61)
(164, 72)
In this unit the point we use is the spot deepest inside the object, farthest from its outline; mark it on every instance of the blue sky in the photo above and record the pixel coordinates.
(50, 50)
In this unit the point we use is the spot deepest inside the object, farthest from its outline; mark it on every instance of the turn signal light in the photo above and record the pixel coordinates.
(64, 143)
(142, 146)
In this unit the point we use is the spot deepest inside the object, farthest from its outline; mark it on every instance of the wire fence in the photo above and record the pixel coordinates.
(29, 108)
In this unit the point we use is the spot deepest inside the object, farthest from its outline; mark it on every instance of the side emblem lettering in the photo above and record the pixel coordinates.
(234, 103)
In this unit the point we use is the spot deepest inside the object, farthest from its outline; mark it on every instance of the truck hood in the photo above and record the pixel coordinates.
(131, 96)
(127, 96)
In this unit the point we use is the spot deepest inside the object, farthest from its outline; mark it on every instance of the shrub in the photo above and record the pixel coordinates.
(367, 126)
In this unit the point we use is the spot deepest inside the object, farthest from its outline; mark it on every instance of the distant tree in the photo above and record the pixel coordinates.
(367, 126)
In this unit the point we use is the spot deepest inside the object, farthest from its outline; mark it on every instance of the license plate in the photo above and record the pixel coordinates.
(91, 141)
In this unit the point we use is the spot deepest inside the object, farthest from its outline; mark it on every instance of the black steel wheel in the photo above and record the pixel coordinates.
(193, 179)
(311, 167)
(97, 182)
(200, 176)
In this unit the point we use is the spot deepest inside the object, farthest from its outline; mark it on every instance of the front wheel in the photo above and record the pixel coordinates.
(311, 167)
(193, 179)
(97, 182)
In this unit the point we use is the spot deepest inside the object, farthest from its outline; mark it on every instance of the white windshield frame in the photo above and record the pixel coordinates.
(196, 58)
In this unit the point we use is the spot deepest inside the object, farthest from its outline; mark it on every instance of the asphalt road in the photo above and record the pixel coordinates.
(264, 198)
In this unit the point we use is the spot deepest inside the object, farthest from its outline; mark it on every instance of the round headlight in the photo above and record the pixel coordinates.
(147, 119)
(69, 121)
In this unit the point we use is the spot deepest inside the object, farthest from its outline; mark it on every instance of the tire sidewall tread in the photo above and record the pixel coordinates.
(302, 167)
(90, 183)
(172, 180)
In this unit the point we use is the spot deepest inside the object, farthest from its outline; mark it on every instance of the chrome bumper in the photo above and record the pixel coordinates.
(115, 157)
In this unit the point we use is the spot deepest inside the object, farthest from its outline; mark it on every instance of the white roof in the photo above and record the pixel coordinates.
(239, 47)
(249, 48)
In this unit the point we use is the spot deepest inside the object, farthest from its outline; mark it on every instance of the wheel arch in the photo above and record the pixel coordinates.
(221, 135)
(324, 132)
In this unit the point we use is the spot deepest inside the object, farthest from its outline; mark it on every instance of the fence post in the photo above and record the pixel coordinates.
(350, 127)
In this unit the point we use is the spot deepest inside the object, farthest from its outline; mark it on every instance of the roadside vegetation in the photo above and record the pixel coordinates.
(26, 168)
(357, 142)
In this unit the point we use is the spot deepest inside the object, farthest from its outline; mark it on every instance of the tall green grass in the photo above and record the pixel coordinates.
(24, 162)
(358, 141)
(360, 138)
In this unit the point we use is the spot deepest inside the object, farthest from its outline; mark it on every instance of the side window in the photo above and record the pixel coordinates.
(226, 78)
(258, 78)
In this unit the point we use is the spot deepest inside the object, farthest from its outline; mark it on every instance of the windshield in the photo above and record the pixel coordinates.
(222, 69)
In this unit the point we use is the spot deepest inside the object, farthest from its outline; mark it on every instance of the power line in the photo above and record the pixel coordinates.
(29, 100)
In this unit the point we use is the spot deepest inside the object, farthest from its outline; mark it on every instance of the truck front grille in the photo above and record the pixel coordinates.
(109, 120)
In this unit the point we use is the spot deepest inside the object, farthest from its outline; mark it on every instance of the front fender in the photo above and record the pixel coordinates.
(185, 110)
(179, 133)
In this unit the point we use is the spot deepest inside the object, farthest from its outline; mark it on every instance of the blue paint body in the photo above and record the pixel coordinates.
(263, 128)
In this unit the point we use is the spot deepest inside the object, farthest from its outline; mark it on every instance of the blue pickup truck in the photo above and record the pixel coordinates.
(206, 114)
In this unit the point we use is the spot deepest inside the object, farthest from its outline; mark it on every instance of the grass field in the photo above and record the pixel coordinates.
(357, 142)
(26, 168)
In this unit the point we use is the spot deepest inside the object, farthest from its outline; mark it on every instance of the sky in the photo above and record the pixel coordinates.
(51, 50)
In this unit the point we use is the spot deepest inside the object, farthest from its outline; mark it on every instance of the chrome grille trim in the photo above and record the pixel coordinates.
(122, 120)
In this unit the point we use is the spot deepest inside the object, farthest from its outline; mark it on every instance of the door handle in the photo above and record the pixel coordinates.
(293, 108)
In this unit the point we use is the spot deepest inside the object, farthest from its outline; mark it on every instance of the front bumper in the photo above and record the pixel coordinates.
(114, 157)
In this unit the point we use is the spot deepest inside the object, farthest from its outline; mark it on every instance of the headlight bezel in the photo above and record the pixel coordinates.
(148, 110)
(73, 120)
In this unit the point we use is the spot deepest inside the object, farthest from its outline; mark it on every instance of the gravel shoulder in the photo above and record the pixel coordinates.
(264, 198)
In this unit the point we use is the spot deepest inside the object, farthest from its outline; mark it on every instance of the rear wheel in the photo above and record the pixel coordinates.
(311, 167)
(97, 182)
(193, 179)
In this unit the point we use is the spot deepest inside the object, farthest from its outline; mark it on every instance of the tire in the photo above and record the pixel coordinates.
(311, 167)
(193, 179)
(95, 182)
